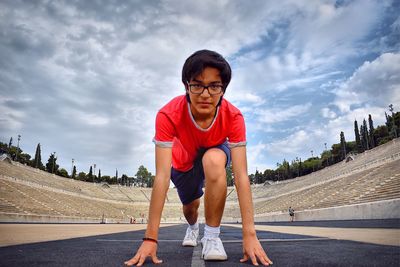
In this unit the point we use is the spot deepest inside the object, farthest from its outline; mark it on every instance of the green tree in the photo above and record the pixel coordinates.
(107, 179)
(269, 175)
(372, 140)
(90, 175)
(13, 151)
(82, 176)
(393, 122)
(62, 172)
(51, 165)
(364, 135)
(351, 147)
(300, 167)
(99, 176)
(150, 181)
(360, 148)
(37, 161)
(24, 158)
(382, 135)
(3, 148)
(142, 176)
(285, 170)
(326, 157)
(124, 179)
(229, 176)
(251, 178)
(278, 172)
(342, 146)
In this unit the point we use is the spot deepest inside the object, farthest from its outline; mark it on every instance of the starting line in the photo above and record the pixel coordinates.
(197, 261)
(223, 241)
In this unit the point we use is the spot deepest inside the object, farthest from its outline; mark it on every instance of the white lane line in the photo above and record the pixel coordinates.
(197, 261)
(223, 241)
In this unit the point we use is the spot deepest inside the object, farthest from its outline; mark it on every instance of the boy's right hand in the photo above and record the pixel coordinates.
(146, 249)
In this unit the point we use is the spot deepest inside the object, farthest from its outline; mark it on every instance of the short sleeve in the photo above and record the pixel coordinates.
(237, 135)
(165, 131)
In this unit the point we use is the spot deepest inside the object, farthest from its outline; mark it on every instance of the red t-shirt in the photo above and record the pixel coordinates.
(176, 128)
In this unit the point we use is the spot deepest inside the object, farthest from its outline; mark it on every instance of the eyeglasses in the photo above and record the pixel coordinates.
(198, 89)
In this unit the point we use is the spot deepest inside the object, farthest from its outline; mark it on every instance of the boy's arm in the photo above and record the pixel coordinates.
(251, 246)
(159, 191)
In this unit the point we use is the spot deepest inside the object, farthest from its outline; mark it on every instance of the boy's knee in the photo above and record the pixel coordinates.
(214, 159)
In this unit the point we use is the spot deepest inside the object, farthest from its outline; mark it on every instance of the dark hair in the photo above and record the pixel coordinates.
(198, 61)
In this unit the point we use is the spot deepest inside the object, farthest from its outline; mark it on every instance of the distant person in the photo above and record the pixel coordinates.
(199, 134)
(291, 214)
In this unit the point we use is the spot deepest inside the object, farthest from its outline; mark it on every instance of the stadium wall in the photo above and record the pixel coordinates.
(32, 218)
(385, 209)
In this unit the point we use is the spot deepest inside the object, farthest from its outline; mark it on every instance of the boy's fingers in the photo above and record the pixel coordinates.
(141, 260)
(254, 260)
(131, 261)
(155, 259)
(245, 258)
(268, 260)
(263, 260)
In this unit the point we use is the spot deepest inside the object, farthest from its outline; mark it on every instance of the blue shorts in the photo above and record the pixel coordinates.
(190, 184)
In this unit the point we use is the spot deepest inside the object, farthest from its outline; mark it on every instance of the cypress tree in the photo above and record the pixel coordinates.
(37, 161)
(342, 146)
(90, 175)
(99, 176)
(365, 135)
(362, 137)
(372, 140)
(358, 140)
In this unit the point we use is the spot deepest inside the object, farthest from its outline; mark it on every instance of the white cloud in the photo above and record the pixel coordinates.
(375, 83)
(244, 100)
(275, 115)
(94, 120)
(291, 145)
(327, 113)
(257, 158)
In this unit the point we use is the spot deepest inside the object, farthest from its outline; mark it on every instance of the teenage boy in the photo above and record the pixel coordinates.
(199, 134)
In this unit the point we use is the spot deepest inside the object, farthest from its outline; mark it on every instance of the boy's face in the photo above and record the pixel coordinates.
(205, 104)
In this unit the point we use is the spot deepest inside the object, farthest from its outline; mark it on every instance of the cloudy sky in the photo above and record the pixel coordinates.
(86, 78)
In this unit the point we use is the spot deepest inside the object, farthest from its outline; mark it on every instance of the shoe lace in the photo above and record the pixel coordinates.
(214, 244)
(191, 234)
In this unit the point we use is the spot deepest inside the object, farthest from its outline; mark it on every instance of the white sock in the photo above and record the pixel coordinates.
(211, 232)
(194, 226)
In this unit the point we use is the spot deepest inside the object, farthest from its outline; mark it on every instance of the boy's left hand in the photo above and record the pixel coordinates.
(252, 249)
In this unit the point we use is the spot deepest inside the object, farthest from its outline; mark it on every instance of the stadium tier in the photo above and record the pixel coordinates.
(370, 176)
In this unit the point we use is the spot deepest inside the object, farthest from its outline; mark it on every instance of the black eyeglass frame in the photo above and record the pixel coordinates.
(204, 88)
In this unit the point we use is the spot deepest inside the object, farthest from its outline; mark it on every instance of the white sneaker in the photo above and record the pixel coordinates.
(213, 249)
(190, 239)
